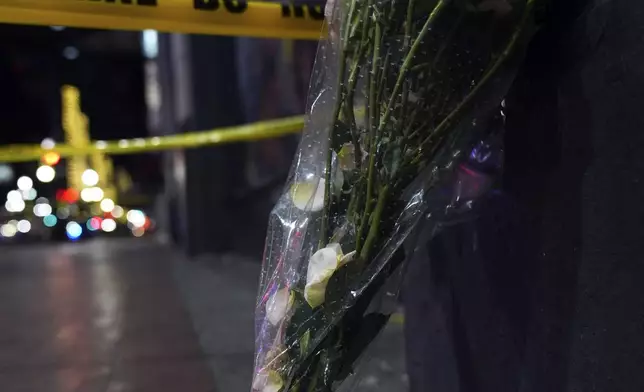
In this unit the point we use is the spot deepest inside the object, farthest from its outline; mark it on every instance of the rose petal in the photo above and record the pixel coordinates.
(309, 195)
(321, 266)
(278, 305)
(274, 383)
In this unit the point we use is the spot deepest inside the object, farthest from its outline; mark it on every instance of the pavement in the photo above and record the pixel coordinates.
(136, 316)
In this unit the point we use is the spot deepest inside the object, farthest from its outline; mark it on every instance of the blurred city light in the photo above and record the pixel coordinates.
(62, 213)
(24, 226)
(50, 220)
(150, 44)
(117, 212)
(74, 230)
(29, 194)
(94, 224)
(107, 205)
(89, 177)
(108, 225)
(138, 231)
(14, 195)
(67, 195)
(45, 173)
(136, 218)
(42, 210)
(8, 230)
(70, 53)
(51, 158)
(6, 173)
(14, 205)
(47, 143)
(91, 194)
(25, 183)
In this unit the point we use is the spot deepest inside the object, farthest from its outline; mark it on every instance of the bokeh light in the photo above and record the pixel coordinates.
(136, 218)
(24, 226)
(89, 177)
(94, 223)
(45, 173)
(25, 183)
(74, 230)
(50, 220)
(117, 212)
(42, 210)
(8, 230)
(108, 225)
(92, 194)
(107, 205)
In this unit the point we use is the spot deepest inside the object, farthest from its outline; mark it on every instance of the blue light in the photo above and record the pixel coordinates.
(50, 220)
(74, 230)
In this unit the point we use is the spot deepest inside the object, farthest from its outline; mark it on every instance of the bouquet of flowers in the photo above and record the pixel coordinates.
(402, 90)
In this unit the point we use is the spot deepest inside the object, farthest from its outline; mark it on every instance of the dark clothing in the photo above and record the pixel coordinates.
(543, 291)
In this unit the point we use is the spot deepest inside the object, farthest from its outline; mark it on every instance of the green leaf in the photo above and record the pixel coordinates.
(304, 343)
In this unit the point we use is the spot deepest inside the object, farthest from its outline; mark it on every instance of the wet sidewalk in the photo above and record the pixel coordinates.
(102, 316)
(135, 316)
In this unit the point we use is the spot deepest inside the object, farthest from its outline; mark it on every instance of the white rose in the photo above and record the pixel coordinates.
(278, 306)
(322, 265)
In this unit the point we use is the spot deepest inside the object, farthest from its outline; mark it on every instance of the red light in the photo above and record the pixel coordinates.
(95, 223)
(67, 195)
(51, 158)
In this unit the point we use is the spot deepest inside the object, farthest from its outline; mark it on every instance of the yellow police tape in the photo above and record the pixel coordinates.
(244, 133)
(219, 17)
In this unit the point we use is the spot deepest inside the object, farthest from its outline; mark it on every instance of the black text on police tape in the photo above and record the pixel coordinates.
(152, 3)
(289, 10)
(232, 6)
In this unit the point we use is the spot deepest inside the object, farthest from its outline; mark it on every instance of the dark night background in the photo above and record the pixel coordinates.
(108, 71)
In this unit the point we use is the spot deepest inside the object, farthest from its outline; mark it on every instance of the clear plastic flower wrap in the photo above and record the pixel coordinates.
(405, 96)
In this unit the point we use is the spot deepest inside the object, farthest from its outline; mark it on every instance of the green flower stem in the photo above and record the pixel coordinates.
(348, 106)
(373, 142)
(408, 22)
(409, 58)
(329, 156)
(374, 229)
(484, 80)
(373, 137)
(373, 83)
(383, 121)
(336, 114)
